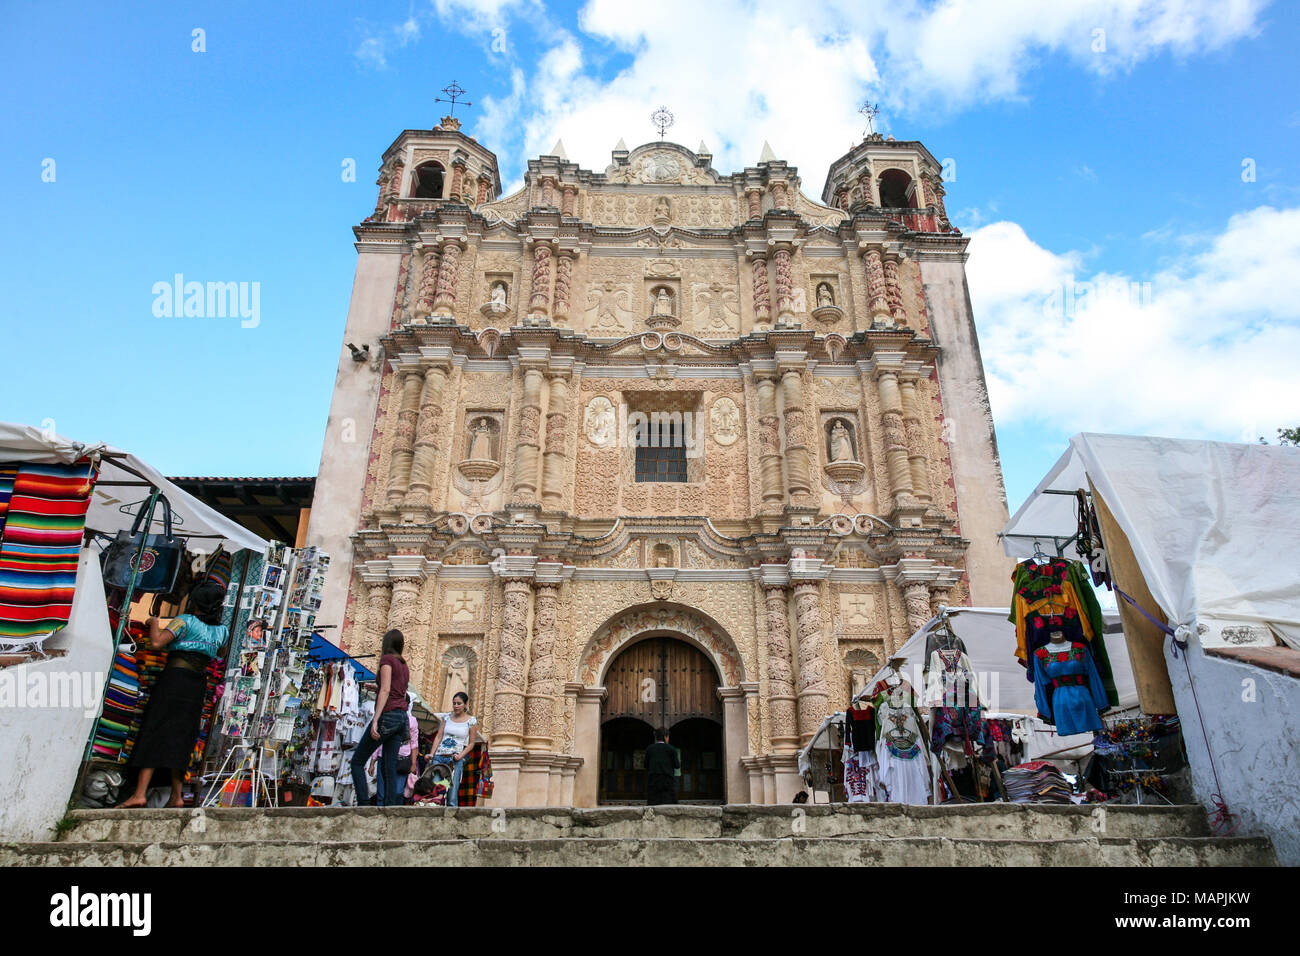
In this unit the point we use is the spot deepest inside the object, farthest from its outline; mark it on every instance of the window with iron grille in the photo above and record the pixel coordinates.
(661, 454)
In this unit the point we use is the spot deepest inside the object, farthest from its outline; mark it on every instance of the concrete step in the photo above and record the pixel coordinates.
(738, 822)
(582, 851)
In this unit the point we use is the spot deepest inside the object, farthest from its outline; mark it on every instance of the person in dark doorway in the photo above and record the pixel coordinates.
(661, 763)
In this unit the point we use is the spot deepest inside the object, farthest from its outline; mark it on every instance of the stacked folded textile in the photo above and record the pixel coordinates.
(119, 706)
(216, 676)
(1036, 782)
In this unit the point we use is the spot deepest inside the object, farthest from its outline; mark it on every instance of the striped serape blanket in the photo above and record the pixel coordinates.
(43, 525)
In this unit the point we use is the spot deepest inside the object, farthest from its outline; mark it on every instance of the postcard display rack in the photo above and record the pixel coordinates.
(267, 716)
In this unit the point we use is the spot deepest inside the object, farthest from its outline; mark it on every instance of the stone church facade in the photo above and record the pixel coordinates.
(655, 444)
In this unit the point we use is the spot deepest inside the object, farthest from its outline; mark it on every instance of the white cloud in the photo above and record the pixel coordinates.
(1206, 347)
(737, 72)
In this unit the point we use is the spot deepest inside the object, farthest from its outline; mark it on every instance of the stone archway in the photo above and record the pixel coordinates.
(632, 626)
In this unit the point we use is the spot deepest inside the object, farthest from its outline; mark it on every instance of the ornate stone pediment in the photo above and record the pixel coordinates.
(661, 164)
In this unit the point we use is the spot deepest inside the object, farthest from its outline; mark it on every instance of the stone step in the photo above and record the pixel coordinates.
(740, 822)
(582, 851)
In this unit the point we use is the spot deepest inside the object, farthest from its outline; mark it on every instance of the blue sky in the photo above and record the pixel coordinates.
(1074, 164)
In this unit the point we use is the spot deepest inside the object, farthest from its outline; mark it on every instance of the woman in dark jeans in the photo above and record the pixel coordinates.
(389, 728)
(175, 709)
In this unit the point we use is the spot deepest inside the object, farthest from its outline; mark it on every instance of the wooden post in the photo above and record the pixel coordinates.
(1146, 642)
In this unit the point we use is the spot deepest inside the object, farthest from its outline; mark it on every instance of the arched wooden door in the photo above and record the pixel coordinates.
(661, 682)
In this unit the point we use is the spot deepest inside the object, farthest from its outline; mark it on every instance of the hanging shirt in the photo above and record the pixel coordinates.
(1049, 594)
(1068, 689)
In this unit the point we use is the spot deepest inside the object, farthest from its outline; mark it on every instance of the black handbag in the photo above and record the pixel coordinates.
(160, 561)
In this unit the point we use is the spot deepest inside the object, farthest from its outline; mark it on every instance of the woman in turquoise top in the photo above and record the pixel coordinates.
(171, 720)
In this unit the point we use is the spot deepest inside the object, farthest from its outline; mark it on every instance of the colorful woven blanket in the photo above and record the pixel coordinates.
(44, 518)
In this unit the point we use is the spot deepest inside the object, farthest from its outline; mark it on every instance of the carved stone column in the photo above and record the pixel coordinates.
(404, 610)
(563, 281)
(540, 303)
(527, 450)
(916, 599)
(877, 293)
(557, 426)
(812, 665)
(385, 178)
(484, 184)
(540, 701)
(754, 198)
(408, 413)
(784, 283)
(508, 703)
(394, 192)
(939, 597)
(769, 447)
(781, 194)
(379, 596)
(457, 180)
(426, 297)
(448, 273)
(918, 461)
(548, 191)
(569, 201)
(796, 438)
(426, 436)
(894, 292)
(762, 298)
(891, 418)
(780, 671)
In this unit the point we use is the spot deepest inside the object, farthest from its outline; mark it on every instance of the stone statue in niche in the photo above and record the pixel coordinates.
(498, 297)
(841, 448)
(663, 556)
(663, 212)
(480, 446)
(457, 679)
(825, 297)
(663, 302)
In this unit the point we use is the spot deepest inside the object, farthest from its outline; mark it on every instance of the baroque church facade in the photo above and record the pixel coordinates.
(655, 446)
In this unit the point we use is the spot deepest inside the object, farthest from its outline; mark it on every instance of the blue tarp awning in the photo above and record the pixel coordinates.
(323, 650)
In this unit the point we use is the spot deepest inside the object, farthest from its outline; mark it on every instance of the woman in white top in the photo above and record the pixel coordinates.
(457, 736)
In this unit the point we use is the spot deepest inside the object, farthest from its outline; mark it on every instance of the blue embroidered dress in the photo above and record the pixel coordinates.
(1068, 690)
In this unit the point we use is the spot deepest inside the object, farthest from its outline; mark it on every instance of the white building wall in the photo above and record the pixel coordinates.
(1250, 718)
(977, 469)
(340, 482)
(42, 741)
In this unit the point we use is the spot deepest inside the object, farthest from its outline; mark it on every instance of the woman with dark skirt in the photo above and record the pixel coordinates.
(175, 709)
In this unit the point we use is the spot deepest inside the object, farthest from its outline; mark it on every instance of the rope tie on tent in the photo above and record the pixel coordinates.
(1181, 635)
(1222, 815)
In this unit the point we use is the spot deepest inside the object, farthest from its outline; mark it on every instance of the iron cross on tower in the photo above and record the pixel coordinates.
(662, 118)
(453, 92)
(870, 110)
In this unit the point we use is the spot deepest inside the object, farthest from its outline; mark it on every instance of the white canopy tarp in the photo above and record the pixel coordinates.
(124, 482)
(1215, 526)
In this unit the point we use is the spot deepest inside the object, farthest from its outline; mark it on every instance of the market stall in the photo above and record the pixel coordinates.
(61, 501)
(1199, 541)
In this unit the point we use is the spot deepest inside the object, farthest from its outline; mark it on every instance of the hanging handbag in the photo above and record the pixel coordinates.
(160, 561)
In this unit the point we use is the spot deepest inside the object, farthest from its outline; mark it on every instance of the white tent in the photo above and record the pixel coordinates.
(124, 481)
(1214, 526)
(43, 737)
(1214, 530)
